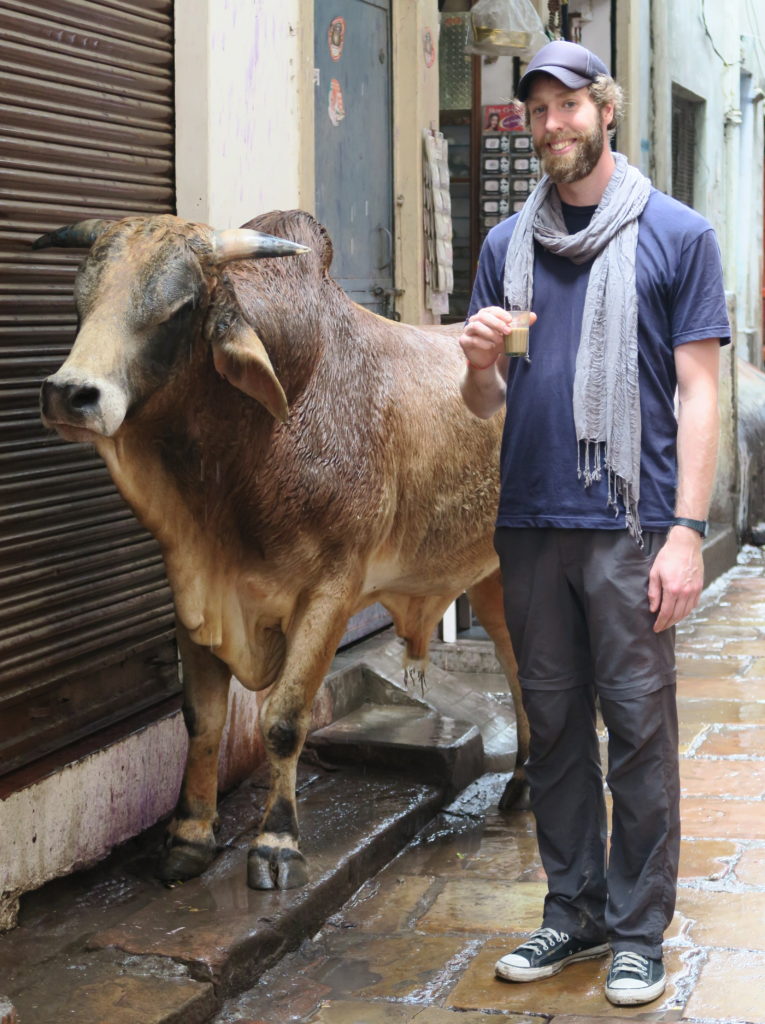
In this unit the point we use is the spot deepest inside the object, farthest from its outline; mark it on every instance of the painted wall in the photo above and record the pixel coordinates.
(715, 54)
(244, 108)
(74, 816)
(245, 140)
(415, 110)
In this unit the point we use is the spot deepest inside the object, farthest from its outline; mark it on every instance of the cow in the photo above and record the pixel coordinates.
(297, 457)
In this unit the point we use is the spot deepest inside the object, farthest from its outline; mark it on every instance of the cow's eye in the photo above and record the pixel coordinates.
(183, 310)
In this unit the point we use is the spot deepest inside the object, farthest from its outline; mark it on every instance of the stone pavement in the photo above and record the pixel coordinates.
(418, 942)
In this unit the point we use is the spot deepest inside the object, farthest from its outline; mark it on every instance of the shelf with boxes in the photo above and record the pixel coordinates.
(509, 171)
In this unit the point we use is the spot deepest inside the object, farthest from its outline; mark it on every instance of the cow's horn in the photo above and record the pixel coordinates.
(76, 236)
(243, 243)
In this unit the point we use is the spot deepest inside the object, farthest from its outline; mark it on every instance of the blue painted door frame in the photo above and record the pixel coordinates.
(354, 176)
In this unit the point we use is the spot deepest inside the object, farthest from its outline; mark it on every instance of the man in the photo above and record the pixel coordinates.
(604, 496)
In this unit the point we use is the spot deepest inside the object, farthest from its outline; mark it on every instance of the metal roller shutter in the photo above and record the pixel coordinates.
(86, 619)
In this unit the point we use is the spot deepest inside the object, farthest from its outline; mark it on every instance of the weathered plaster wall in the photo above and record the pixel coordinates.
(74, 816)
(415, 110)
(245, 144)
(715, 54)
(709, 53)
(244, 108)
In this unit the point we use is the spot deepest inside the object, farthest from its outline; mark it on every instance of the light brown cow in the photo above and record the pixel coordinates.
(355, 475)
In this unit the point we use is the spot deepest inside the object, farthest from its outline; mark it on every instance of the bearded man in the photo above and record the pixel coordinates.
(603, 506)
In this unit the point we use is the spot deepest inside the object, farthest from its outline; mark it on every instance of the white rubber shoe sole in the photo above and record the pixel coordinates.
(636, 996)
(516, 972)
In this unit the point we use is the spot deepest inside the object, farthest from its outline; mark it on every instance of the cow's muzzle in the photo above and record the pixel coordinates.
(74, 405)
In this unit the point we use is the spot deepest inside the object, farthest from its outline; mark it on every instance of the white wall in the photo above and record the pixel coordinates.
(721, 60)
(75, 815)
(244, 115)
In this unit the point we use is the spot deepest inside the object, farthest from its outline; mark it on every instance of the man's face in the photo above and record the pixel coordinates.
(568, 130)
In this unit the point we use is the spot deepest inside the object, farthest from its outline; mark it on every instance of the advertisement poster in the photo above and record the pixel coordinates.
(503, 117)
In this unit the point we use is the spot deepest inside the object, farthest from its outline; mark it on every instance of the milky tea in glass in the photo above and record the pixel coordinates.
(517, 341)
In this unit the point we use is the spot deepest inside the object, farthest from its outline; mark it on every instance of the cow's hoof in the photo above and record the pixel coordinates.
(273, 867)
(183, 860)
(515, 794)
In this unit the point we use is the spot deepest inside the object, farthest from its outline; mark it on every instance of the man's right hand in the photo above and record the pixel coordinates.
(483, 339)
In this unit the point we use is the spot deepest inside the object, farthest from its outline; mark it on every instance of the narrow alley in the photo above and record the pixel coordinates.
(418, 942)
(420, 931)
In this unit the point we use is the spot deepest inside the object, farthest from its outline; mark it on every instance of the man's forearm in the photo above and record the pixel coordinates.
(483, 391)
(698, 425)
(698, 431)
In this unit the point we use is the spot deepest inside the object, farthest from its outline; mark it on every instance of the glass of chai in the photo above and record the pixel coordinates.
(517, 341)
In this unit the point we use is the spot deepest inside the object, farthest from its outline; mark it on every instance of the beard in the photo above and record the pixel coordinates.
(573, 166)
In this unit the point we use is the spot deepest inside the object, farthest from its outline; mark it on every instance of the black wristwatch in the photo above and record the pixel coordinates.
(699, 525)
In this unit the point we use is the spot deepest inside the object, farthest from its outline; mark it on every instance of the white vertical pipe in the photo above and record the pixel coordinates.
(449, 624)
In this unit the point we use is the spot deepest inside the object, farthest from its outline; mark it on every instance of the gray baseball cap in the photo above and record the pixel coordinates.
(573, 65)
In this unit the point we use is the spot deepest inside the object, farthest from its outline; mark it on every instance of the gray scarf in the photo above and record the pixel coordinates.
(606, 391)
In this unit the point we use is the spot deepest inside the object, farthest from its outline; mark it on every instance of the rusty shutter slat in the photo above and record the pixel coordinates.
(86, 618)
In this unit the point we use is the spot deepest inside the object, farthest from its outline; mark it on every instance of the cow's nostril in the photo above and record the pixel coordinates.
(85, 397)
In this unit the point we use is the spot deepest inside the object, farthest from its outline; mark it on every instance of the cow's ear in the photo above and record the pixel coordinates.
(240, 356)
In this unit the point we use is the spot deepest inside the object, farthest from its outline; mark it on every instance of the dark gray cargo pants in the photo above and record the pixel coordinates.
(577, 610)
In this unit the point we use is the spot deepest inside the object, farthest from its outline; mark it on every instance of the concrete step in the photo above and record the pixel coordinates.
(122, 948)
(466, 692)
(401, 738)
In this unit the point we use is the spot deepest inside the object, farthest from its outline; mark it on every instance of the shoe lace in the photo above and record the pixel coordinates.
(630, 963)
(543, 939)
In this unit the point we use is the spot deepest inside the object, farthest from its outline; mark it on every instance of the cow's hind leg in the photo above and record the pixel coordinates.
(274, 860)
(191, 845)
(486, 599)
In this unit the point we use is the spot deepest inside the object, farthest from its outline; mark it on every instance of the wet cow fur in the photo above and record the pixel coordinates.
(298, 458)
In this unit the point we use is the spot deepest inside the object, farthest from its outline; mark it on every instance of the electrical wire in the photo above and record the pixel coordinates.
(725, 63)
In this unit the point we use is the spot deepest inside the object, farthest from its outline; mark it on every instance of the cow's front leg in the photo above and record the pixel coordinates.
(190, 845)
(274, 860)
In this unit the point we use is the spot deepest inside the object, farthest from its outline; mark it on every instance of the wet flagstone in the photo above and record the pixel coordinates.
(750, 868)
(730, 712)
(101, 994)
(280, 996)
(477, 906)
(731, 987)
(744, 779)
(732, 741)
(708, 859)
(391, 1013)
(415, 967)
(577, 990)
(734, 920)
(712, 688)
(689, 734)
(719, 667)
(489, 854)
(419, 941)
(714, 818)
(744, 647)
(386, 908)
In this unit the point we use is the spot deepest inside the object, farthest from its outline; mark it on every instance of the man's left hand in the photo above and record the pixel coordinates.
(676, 578)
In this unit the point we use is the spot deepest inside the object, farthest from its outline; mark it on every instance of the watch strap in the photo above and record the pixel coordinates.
(699, 525)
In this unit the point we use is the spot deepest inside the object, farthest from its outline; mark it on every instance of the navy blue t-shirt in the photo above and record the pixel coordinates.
(680, 298)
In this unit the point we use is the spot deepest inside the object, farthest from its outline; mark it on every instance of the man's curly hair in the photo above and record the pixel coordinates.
(602, 91)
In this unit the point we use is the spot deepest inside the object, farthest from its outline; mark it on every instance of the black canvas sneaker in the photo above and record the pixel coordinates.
(634, 979)
(544, 953)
